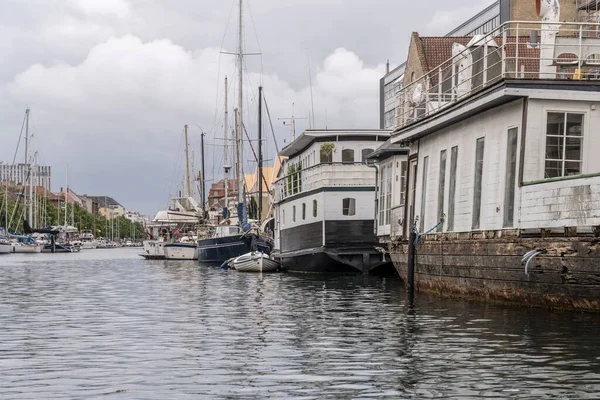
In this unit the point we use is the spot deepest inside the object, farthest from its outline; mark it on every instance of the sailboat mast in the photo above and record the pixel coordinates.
(226, 149)
(237, 161)
(66, 193)
(260, 158)
(29, 170)
(240, 123)
(187, 164)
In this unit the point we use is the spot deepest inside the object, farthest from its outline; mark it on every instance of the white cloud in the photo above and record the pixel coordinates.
(128, 100)
(119, 8)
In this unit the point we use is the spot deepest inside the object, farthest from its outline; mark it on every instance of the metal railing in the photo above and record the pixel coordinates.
(514, 50)
(323, 175)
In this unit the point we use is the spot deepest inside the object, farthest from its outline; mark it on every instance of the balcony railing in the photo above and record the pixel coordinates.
(515, 50)
(324, 175)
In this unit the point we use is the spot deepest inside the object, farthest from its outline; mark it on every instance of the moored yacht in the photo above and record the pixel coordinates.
(87, 240)
(325, 204)
(166, 230)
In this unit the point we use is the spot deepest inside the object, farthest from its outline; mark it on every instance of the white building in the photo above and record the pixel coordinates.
(502, 160)
(41, 175)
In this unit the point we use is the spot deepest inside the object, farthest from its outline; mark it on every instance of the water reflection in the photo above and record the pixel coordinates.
(105, 322)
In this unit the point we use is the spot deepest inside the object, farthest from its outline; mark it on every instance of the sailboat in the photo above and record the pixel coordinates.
(184, 248)
(229, 241)
(24, 243)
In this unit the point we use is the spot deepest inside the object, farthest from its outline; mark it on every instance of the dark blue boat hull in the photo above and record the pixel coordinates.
(219, 250)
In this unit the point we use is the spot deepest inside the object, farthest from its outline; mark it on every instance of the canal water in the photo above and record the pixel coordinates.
(108, 324)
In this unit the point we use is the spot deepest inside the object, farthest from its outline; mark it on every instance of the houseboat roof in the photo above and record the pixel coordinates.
(316, 135)
(387, 149)
(501, 93)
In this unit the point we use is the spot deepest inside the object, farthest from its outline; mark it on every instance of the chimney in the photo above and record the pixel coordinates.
(387, 66)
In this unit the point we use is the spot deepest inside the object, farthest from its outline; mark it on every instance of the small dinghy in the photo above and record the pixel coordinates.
(254, 262)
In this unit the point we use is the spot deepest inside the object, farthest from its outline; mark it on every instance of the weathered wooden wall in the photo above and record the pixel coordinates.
(568, 276)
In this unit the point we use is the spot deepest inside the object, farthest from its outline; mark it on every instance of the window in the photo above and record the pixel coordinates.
(403, 174)
(452, 189)
(441, 189)
(315, 208)
(424, 192)
(303, 211)
(326, 157)
(563, 144)
(389, 119)
(509, 181)
(348, 156)
(283, 217)
(348, 206)
(385, 194)
(365, 153)
(294, 214)
(412, 76)
(478, 182)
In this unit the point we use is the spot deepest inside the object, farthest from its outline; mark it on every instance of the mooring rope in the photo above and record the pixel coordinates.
(418, 238)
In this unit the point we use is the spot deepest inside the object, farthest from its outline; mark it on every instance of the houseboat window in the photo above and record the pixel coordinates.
(347, 156)
(349, 206)
(303, 211)
(564, 136)
(326, 157)
(294, 214)
(478, 182)
(365, 153)
(441, 189)
(385, 194)
(403, 173)
(509, 182)
(424, 192)
(380, 203)
(314, 208)
(452, 189)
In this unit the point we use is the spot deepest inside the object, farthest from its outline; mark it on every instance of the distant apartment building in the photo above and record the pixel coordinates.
(90, 204)
(485, 21)
(41, 175)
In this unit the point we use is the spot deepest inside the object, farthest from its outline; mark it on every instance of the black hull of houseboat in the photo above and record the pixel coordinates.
(334, 247)
(323, 260)
(490, 268)
(219, 250)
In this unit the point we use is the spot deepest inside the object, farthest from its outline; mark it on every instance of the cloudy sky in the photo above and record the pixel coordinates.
(111, 83)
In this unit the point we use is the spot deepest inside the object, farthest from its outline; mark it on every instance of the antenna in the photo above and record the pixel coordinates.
(312, 104)
(292, 120)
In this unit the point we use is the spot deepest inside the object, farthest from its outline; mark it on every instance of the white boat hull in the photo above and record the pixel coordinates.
(154, 250)
(5, 248)
(255, 262)
(181, 251)
(89, 245)
(27, 249)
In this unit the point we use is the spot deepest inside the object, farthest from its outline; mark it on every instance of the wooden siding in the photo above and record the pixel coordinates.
(349, 233)
(302, 237)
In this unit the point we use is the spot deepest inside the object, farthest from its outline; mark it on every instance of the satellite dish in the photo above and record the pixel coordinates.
(417, 95)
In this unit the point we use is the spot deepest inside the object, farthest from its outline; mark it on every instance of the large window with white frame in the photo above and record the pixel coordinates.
(385, 194)
(564, 140)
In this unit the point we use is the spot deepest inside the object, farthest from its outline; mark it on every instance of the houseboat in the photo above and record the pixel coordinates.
(503, 184)
(324, 204)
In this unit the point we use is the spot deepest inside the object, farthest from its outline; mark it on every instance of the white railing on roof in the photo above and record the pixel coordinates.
(514, 50)
(323, 175)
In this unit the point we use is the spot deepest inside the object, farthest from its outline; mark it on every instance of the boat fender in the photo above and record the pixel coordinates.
(225, 264)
